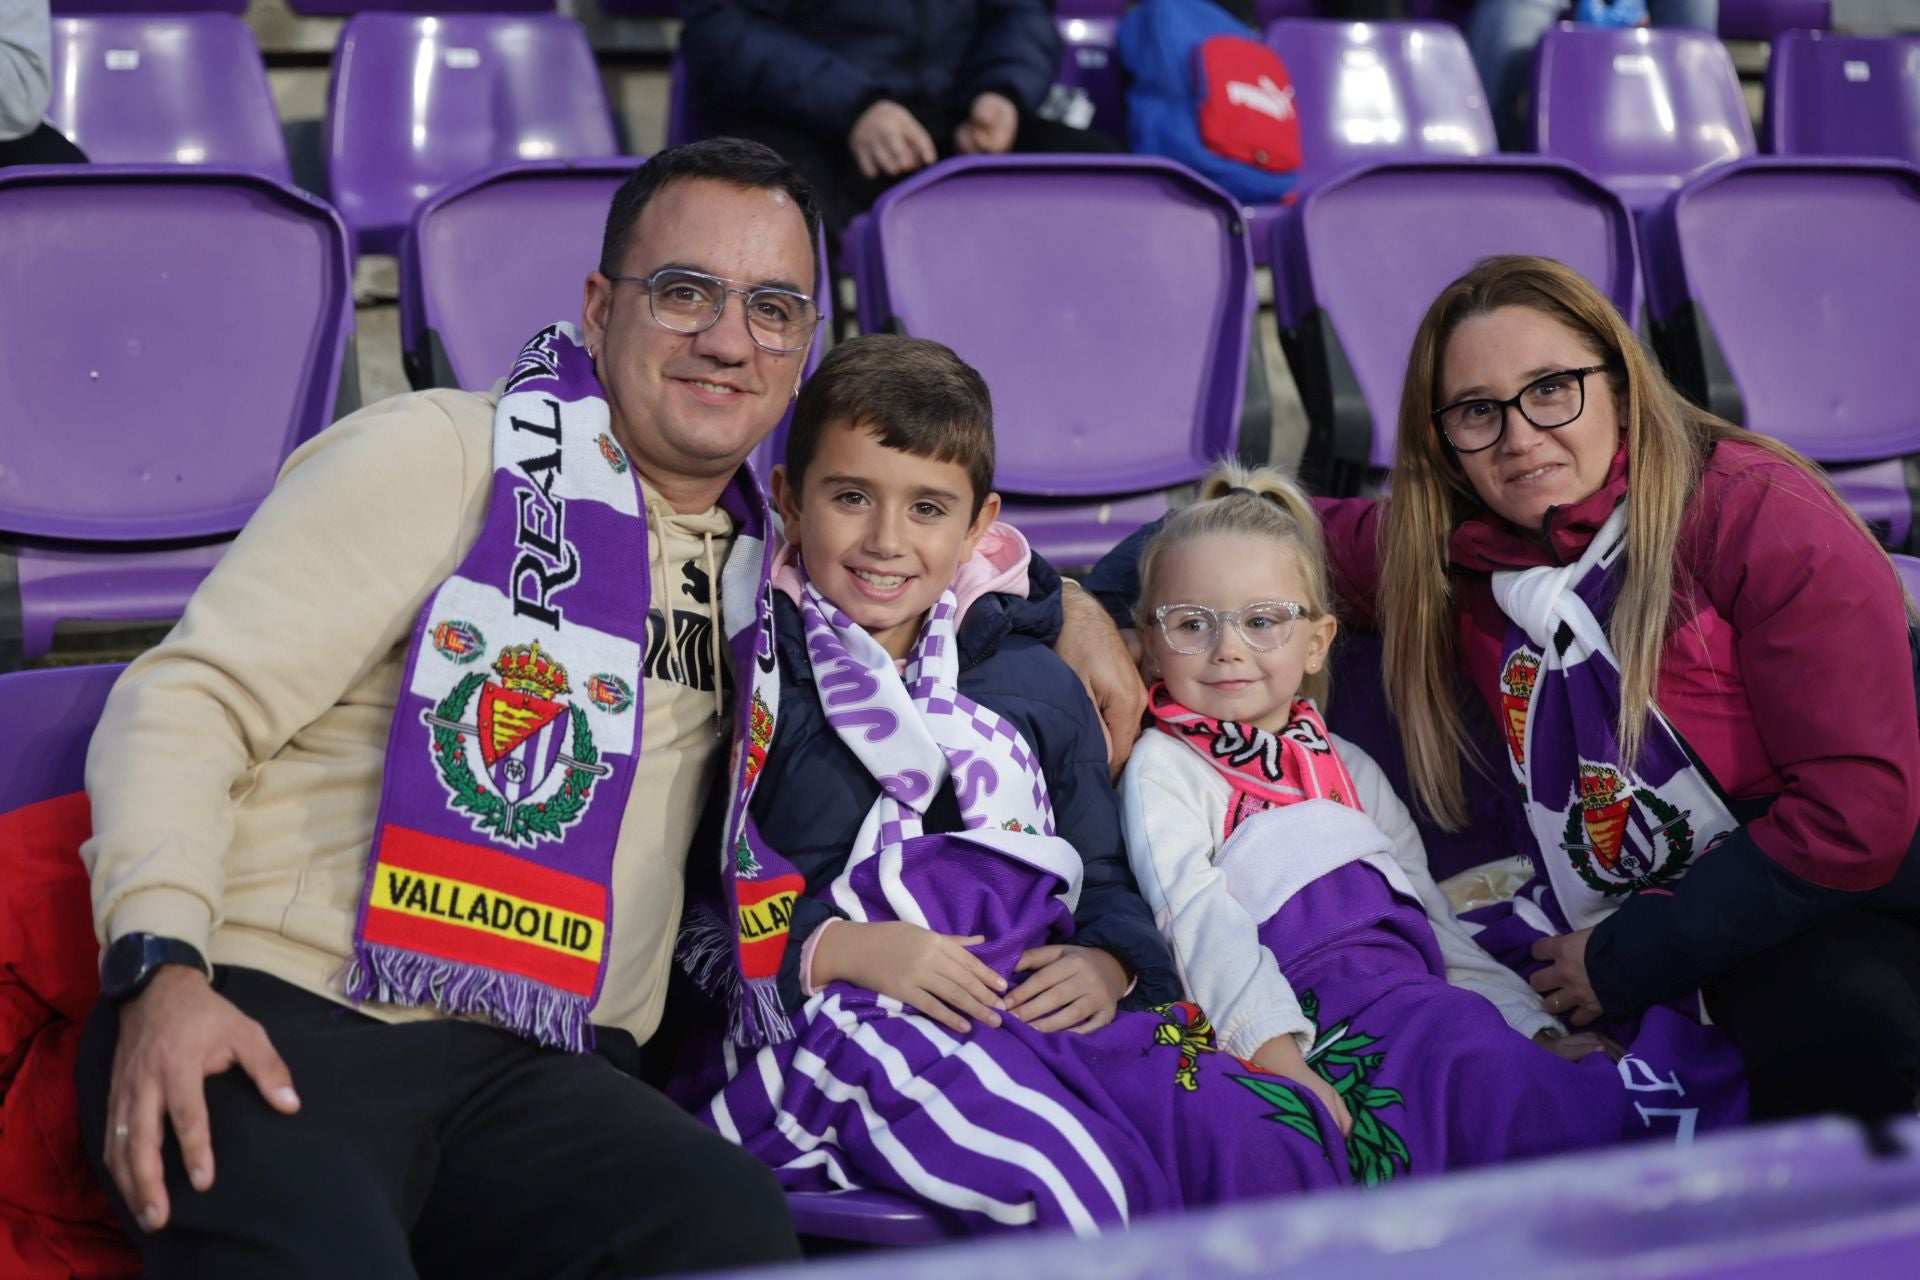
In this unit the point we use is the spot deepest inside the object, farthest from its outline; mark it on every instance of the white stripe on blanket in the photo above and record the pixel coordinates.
(1276, 853)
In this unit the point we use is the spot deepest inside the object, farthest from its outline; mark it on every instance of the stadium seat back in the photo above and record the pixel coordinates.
(1369, 91)
(1831, 95)
(1364, 253)
(50, 720)
(1765, 19)
(347, 8)
(1107, 300)
(170, 335)
(1788, 296)
(188, 88)
(418, 102)
(63, 7)
(1643, 109)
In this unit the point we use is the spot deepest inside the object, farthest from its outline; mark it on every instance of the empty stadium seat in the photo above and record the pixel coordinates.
(1786, 295)
(50, 719)
(418, 102)
(63, 7)
(1833, 95)
(1360, 256)
(1641, 109)
(345, 8)
(186, 88)
(169, 336)
(1107, 301)
(492, 258)
(1765, 19)
(1371, 91)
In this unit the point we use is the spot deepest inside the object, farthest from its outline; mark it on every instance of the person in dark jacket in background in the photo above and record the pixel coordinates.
(860, 93)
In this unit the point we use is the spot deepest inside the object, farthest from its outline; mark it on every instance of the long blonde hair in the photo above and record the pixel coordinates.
(1252, 502)
(1668, 440)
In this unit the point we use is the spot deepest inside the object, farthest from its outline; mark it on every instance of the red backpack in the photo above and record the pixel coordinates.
(1246, 103)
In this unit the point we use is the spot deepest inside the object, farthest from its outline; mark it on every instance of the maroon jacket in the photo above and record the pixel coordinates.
(1790, 675)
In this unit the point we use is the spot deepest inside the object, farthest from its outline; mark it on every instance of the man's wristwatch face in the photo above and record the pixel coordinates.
(131, 961)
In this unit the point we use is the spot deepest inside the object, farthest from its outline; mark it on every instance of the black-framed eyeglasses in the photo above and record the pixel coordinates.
(1549, 401)
(779, 320)
(1264, 625)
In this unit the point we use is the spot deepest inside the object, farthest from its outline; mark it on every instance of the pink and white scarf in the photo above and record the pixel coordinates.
(1266, 770)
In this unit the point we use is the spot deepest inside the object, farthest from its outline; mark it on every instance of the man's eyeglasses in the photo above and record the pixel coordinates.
(1550, 401)
(1264, 625)
(779, 320)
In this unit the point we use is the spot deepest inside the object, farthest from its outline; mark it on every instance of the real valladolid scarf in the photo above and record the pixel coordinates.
(513, 744)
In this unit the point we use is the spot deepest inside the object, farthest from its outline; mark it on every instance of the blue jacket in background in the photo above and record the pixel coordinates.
(813, 793)
(820, 63)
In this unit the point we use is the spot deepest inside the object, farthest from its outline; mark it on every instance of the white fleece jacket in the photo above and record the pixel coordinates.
(1210, 906)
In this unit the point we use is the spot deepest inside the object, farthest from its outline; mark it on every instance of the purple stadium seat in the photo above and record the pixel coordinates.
(347, 8)
(530, 233)
(1106, 299)
(867, 1217)
(50, 719)
(1359, 257)
(641, 8)
(182, 89)
(1780, 1202)
(1787, 294)
(1833, 95)
(1366, 92)
(62, 7)
(1765, 19)
(1090, 8)
(1641, 109)
(417, 102)
(169, 336)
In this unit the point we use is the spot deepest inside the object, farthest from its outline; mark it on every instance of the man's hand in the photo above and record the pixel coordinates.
(1281, 1056)
(1564, 981)
(1072, 988)
(1091, 645)
(1580, 1044)
(989, 129)
(931, 972)
(173, 1036)
(887, 139)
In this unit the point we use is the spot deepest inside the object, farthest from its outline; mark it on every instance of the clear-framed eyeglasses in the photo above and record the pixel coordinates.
(779, 320)
(1550, 401)
(1264, 625)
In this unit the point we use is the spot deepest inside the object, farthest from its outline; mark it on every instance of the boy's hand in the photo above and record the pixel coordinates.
(1281, 1056)
(1072, 988)
(931, 972)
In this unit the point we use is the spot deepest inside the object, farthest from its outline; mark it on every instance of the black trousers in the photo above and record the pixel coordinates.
(45, 145)
(844, 192)
(441, 1148)
(1829, 1021)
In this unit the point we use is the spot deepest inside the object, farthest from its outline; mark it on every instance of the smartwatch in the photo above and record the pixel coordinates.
(133, 959)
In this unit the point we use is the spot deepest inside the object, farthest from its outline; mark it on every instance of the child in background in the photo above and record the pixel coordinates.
(1292, 885)
(935, 867)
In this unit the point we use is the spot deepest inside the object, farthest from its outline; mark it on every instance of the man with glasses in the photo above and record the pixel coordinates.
(250, 1118)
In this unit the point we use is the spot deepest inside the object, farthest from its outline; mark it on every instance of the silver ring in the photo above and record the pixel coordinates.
(121, 1131)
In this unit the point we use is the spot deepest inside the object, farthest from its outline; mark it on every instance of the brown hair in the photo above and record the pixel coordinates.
(1668, 440)
(916, 395)
(1254, 502)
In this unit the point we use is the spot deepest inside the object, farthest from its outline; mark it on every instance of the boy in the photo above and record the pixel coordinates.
(935, 861)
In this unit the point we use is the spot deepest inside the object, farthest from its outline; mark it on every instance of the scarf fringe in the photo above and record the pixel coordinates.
(755, 1013)
(532, 1009)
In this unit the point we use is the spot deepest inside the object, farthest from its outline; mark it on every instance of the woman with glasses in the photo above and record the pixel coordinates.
(1700, 668)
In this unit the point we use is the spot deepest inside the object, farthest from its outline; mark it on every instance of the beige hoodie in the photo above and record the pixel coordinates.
(236, 771)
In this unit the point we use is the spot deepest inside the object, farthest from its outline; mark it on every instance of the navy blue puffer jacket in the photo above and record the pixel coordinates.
(820, 63)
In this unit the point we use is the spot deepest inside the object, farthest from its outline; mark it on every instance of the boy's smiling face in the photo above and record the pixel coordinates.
(881, 532)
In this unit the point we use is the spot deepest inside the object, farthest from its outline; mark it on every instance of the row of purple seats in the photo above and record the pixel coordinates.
(1831, 95)
(168, 337)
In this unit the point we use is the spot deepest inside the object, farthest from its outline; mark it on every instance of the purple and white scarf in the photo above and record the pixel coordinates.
(1604, 829)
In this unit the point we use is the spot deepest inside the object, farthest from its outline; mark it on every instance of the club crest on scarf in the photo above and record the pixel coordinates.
(536, 755)
(1621, 837)
(1516, 689)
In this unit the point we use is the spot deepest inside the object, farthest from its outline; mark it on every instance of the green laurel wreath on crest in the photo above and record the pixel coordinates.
(530, 823)
(1376, 1153)
(1679, 849)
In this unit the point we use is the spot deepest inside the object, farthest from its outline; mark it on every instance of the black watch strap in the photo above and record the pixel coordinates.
(130, 963)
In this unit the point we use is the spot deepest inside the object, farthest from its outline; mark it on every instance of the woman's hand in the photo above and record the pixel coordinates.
(931, 972)
(1281, 1056)
(1072, 988)
(1091, 645)
(1564, 981)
